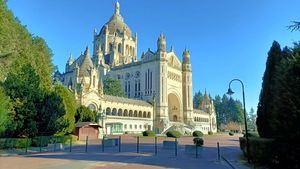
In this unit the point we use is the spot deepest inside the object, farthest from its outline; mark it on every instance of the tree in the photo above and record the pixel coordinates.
(18, 48)
(294, 26)
(266, 117)
(197, 100)
(69, 105)
(84, 114)
(251, 120)
(24, 91)
(5, 109)
(113, 87)
(50, 118)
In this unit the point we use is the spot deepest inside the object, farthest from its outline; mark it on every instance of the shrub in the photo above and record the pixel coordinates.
(210, 133)
(148, 133)
(231, 133)
(197, 133)
(252, 134)
(260, 149)
(173, 133)
(198, 141)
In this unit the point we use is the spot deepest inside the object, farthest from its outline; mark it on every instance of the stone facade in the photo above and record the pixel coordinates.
(158, 86)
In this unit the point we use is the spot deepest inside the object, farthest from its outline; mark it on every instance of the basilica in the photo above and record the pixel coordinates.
(157, 85)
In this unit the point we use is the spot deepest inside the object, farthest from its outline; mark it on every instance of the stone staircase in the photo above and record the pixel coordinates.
(184, 129)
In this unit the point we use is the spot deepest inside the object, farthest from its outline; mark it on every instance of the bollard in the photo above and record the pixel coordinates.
(196, 151)
(86, 143)
(71, 144)
(54, 147)
(155, 145)
(40, 143)
(119, 143)
(103, 144)
(218, 151)
(26, 147)
(138, 144)
(175, 146)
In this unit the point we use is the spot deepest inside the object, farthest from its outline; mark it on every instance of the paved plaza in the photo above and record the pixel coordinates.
(128, 158)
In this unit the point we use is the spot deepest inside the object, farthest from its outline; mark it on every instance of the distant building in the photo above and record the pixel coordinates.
(158, 86)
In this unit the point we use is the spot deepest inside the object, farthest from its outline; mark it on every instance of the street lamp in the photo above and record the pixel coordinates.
(230, 92)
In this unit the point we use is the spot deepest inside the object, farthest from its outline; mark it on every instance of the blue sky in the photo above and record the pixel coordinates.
(227, 38)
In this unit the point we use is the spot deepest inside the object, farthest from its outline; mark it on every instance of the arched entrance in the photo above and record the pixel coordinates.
(174, 108)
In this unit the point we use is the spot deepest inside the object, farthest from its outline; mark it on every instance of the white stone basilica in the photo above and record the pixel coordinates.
(158, 86)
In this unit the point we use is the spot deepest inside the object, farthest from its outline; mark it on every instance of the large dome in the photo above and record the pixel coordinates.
(116, 24)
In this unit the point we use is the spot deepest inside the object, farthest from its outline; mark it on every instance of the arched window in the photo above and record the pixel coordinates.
(119, 48)
(135, 113)
(140, 114)
(144, 114)
(125, 112)
(174, 118)
(130, 113)
(92, 107)
(149, 115)
(111, 47)
(114, 112)
(94, 81)
(108, 111)
(120, 112)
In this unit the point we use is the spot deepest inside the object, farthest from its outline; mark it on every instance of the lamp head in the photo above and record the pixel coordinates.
(230, 92)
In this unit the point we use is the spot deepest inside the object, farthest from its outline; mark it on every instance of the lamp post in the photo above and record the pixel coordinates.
(230, 92)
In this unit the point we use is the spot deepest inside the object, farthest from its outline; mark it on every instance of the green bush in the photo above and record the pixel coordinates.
(260, 149)
(210, 133)
(198, 141)
(7, 143)
(197, 133)
(231, 133)
(173, 133)
(148, 133)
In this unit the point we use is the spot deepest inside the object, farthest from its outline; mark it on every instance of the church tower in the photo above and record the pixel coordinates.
(161, 118)
(116, 41)
(187, 87)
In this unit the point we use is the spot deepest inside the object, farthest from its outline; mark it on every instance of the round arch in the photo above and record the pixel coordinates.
(174, 107)
(108, 111)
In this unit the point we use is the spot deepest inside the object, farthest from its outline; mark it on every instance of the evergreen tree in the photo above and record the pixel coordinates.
(265, 109)
(113, 87)
(197, 100)
(24, 91)
(69, 105)
(84, 114)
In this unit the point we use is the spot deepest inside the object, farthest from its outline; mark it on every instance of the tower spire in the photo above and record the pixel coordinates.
(117, 8)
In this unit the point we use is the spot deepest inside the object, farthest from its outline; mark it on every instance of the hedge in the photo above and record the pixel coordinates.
(174, 134)
(8, 143)
(148, 133)
(197, 133)
(260, 149)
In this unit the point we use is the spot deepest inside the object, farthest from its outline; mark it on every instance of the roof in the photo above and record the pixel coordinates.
(86, 64)
(116, 24)
(198, 111)
(126, 100)
(82, 124)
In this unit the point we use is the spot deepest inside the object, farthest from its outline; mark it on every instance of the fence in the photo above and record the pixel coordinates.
(158, 145)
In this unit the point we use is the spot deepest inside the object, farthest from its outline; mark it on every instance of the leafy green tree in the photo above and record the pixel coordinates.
(197, 100)
(113, 87)
(84, 114)
(266, 117)
(50, 118)
(69, 104)
(18, 47)
(5, 109)
(24, 91)
(251, 120)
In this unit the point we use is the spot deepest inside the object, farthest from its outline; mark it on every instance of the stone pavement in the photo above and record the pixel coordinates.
(128, 158)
